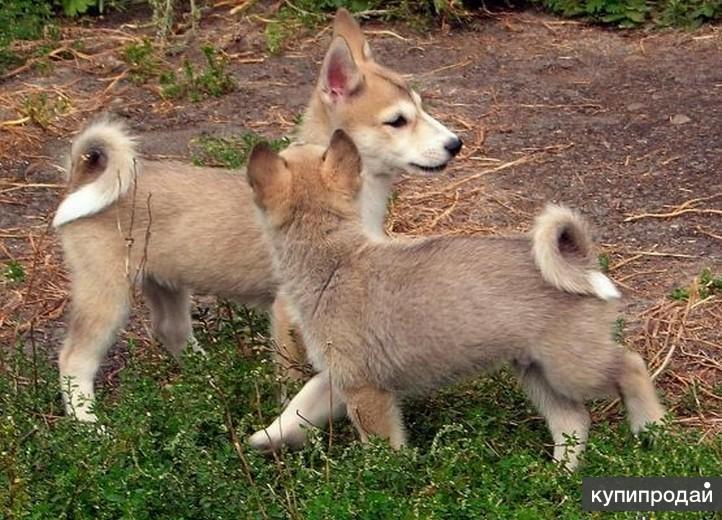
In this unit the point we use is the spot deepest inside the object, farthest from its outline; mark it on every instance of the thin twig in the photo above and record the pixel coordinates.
(672, 214)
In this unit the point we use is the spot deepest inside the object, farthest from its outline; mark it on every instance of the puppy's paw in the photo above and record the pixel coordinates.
(83, 415)
(264, 442)
(269, 439)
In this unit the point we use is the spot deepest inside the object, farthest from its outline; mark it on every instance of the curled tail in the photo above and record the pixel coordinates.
(102, 168)
(563, 252)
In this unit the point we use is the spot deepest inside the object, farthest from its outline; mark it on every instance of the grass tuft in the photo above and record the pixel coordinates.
(142, 61)
(212, 81)
(705, 286)
(42, 109)
(14, 272)
(229, 152)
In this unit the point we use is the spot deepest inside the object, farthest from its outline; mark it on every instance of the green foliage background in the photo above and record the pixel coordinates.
(629, 13)
(32, 19)
(23, 19)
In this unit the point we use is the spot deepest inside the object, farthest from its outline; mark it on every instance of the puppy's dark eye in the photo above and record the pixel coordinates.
(398, 122)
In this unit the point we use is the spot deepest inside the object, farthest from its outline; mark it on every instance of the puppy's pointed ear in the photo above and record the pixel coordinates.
(267, 175)
(340, 76)
(342, 164)
(347, 27)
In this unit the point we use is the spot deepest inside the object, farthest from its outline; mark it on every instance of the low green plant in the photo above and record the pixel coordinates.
(277, 32)
(20, 20)
(23, 20)
(142, 60)
(229, 152)
(681, 294)
(603, 261)
(31, 19)
(707, 284)
(172, 446)
(688, 13)
(632, 13)
(42, 109)
(77, 7)
(14, 271)
(296, 16)
(214, 80)
(625, 13)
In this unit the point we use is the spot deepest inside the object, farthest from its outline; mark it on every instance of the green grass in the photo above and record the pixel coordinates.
(229, 152)
(142, 61)
(296, 16)
(42, 110)
(20, 20)
(213, 80)
(707, 284)
(603, 261)
(293, 17)
(172, 446)
(14, 271)
(631, 13)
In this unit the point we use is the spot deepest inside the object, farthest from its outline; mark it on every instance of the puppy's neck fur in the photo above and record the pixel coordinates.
(317, 128)
(308, 256)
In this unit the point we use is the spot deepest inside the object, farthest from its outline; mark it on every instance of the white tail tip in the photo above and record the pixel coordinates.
(602, 286)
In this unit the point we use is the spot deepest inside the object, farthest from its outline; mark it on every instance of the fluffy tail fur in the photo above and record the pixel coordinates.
(563, 252)
(102, 168)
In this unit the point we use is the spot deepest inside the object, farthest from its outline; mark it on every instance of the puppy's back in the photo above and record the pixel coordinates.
(188, 225)
(436, 309)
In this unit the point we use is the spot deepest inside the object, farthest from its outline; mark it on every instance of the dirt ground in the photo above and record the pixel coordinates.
(625, 126)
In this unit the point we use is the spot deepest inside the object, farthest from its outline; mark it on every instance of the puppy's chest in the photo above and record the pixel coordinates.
(324, 315)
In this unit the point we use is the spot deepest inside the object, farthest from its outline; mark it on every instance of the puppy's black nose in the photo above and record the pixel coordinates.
(453, 146)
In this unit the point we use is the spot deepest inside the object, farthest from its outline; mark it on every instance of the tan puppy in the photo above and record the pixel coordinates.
(387, 318)
(391, 129)
(172, 228)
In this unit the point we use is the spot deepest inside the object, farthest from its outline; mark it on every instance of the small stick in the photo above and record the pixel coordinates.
(459, 65)
(672, 214)
(668, 357)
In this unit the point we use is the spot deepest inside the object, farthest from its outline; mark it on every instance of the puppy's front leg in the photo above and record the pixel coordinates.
(290, 354)
(312, 406)
(376, 412)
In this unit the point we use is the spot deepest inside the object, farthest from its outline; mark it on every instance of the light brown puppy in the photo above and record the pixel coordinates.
(386, 119)
(387, 318)
(172, 228)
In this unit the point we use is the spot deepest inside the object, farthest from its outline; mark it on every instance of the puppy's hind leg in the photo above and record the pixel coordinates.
(99, 308)
(170, 315)
(638, 393)
(376, 412)
(565, 417)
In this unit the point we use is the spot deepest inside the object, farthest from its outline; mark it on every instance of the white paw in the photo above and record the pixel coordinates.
(269, 439)
(85, 416)
(263, 442)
